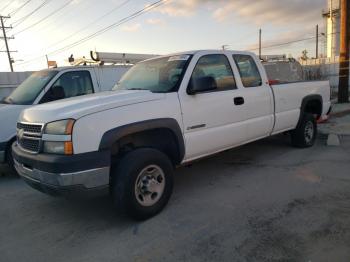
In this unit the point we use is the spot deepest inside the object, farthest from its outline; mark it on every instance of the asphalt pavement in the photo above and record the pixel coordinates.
(265, 201)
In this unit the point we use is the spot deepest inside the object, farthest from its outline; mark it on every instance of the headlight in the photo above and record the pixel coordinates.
(62, 127)
(57, 137)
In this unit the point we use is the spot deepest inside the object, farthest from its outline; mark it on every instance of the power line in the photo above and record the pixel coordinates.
(93, 22)
(45, 27)
(44, 18)
(19, 8)
(118, 23)
(285, 43)
(7, 5)
(293, 41)
(22, 19)
(105, 29)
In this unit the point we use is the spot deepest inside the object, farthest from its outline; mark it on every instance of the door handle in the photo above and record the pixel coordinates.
(238, 101)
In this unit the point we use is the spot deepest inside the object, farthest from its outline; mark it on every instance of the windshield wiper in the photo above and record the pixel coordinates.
(138, 89)
(7, 100)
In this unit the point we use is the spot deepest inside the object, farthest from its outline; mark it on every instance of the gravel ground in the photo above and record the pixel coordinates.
(265, 201)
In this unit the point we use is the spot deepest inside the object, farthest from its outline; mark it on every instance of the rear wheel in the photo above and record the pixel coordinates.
(142, 183)
(305, 134)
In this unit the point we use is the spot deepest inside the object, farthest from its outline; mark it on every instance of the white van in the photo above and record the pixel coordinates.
(51, 85)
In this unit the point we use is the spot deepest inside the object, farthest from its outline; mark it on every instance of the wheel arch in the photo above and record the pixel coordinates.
(164, 134)
(311, 104)
(8, 147)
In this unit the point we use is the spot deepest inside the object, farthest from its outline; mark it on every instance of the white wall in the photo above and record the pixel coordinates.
(10, 80)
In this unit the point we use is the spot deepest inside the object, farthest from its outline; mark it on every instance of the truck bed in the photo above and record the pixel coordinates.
(289, 97)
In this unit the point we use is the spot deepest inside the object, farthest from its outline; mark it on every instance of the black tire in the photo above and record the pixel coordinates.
(306, 132)
(125, 174)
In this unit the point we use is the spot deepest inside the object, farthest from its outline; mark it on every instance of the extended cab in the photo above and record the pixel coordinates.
(51, 85)
(163, 113)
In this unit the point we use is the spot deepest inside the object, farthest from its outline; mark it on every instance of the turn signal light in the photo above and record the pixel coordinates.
(68, 148)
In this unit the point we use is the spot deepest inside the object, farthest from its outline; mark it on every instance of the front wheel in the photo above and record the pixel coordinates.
(142, 183)
(305, 134)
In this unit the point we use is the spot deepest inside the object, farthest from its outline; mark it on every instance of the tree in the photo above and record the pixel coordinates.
(304, 55)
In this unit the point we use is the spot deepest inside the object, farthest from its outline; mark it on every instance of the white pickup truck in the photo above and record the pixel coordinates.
(163, 113)
(50, 85)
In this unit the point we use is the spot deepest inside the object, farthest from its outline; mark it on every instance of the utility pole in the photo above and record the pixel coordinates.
(316, 41)
(343, 89)
(260, 43)
(3, 27)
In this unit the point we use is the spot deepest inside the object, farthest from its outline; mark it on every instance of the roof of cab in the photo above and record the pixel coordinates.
(193, 52)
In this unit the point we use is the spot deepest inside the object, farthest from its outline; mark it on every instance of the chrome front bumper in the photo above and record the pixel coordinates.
(93, 181)
(60, 174)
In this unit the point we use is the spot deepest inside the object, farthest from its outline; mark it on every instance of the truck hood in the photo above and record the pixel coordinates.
(78, 107)
(8, 118)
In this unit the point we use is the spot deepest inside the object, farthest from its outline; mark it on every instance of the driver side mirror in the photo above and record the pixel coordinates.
(201, 84)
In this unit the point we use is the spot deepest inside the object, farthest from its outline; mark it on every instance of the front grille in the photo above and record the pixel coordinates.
(29, 136)
(30, 128)
(32, 145)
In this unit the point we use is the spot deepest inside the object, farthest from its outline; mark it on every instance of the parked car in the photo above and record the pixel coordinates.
(51, 85)
(163, 113)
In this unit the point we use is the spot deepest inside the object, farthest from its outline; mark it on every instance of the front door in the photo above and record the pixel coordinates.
(213, 120)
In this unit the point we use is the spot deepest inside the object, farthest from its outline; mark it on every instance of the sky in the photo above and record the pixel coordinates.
(56, 27)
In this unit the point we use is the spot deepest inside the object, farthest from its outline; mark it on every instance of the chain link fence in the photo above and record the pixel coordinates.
(322, 69)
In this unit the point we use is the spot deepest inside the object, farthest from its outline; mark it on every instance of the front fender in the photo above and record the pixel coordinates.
(8, 121)
(113, 135)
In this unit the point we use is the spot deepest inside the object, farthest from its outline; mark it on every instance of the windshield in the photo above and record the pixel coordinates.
(27, 92)
(159, 75)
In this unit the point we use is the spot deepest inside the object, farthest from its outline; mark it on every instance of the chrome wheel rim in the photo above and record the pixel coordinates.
(149, 186)
(309, 132)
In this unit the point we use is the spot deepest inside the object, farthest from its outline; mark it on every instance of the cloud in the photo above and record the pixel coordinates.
(263, 11)
(76, 2)
(155, 21)
(131, 28)
(181, 7)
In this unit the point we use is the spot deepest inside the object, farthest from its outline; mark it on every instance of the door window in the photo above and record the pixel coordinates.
(69, 84)
(248, 70)
(217, 67)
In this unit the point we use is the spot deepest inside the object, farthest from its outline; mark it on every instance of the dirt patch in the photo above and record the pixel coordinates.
(305, 230)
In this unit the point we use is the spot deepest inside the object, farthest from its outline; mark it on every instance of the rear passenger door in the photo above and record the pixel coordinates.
(258, 97)
(212, 120)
